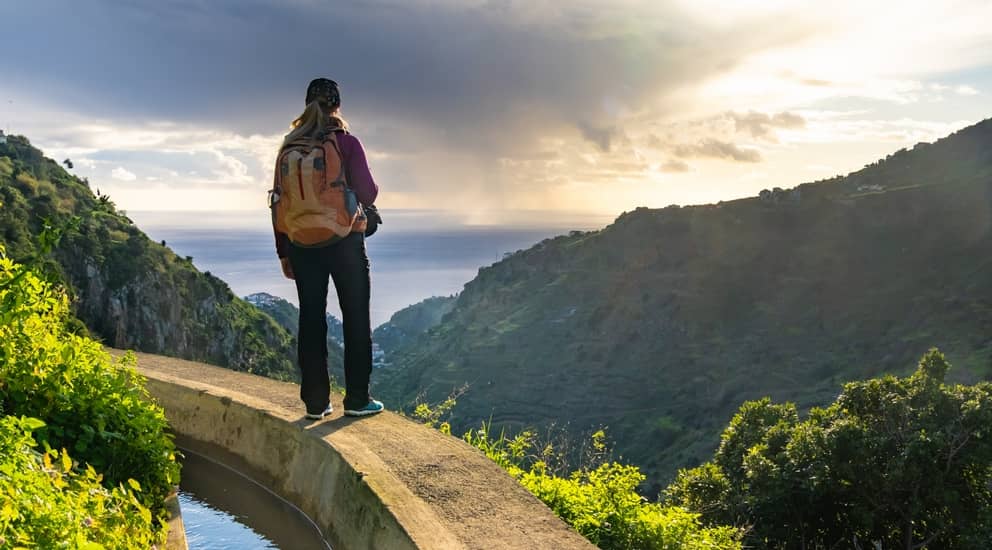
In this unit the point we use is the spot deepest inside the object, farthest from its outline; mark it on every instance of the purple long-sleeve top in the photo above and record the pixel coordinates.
(359, 179)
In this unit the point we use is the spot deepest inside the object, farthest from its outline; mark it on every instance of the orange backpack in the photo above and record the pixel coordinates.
(311, 201)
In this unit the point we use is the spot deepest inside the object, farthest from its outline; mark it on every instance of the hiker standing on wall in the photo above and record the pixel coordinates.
(321, 211)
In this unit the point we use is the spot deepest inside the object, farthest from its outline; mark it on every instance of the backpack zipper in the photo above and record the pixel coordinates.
(299, 177)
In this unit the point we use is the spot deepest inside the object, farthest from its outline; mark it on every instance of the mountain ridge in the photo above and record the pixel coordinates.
(662, 323)
(130, 291)
(406, 324)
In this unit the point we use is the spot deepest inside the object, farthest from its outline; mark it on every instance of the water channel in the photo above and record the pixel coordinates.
(223, 509)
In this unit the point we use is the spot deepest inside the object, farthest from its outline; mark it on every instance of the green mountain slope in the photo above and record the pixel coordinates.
(288, 317)
(128, 290)
(406, 324)
(661, 324)
(403, 327)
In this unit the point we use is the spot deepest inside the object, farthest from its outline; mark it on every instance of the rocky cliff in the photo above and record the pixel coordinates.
(127, 290)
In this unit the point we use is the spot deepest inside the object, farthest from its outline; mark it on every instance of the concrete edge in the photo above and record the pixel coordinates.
(342, 485)
(176, 539)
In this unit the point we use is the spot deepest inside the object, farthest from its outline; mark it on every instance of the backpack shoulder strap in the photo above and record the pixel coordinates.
(343, 173)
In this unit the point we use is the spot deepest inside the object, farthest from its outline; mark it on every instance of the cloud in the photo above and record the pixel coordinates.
(760, 125)
(717, 136)
(512, 67)
(164, 151)
(713, 148)
(674, 166)
(526, 93)
(120, 173)
(885, 51)
(439, 108)
(816, 82)
(601, 137)
(854, 127)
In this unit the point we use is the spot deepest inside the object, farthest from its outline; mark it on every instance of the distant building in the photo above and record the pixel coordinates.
(3, 138)
(378, 356)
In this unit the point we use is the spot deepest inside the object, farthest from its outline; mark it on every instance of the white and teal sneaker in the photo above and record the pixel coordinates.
(373, 407)
(318, 416)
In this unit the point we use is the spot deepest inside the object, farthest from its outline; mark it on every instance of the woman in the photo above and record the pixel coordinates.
(345, 262)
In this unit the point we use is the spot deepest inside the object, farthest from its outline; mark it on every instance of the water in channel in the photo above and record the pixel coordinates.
(222, 509)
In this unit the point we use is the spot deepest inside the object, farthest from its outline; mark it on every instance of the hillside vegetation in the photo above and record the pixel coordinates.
(287, 316)
(892, 463)
(129, 291)
(660, 325)
(85, 459)
(406, 324)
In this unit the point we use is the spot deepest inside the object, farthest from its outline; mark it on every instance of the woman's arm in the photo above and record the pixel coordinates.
(359, 175)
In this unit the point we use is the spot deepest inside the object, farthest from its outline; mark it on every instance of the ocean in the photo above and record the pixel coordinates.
(415, 254)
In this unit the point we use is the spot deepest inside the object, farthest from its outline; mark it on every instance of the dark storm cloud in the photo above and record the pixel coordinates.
(414, 74)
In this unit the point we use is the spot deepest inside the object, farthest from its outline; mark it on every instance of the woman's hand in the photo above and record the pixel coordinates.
(287, 268)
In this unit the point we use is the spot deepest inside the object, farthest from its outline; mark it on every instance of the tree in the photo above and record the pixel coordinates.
(67, 163)
(897, 462)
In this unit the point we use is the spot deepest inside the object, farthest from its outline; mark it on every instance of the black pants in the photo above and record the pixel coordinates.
(348, 265)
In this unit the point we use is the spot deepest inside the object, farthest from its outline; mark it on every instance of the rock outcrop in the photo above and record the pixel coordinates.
(127, 290)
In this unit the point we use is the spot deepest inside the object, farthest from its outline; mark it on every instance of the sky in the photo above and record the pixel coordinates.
(491, 105)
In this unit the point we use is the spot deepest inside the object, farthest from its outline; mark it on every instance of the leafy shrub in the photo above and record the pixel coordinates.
(51, 502)
(603, 506)
(893, 463)
(599, 501)
(97, 410)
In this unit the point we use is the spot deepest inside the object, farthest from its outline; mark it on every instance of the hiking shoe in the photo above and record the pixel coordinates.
(318, 416)
(373, 407)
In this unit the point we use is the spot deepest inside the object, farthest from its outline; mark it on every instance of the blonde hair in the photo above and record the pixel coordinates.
(313, 124)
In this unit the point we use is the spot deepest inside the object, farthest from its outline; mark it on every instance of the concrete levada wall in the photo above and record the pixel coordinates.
(355, 509)
(376, 483)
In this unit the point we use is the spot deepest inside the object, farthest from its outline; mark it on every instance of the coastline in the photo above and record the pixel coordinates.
(417, 253)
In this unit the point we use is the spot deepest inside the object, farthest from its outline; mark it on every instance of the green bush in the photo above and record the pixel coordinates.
(600, 502)
(604, 506)
(95, 409)
(893, 463)
(51, 502)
